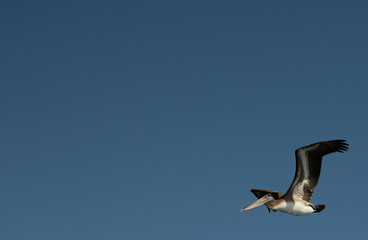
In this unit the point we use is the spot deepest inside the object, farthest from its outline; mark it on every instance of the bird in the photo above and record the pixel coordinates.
(296, 200)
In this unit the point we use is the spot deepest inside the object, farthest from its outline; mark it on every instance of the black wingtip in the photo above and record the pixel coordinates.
(338, 145)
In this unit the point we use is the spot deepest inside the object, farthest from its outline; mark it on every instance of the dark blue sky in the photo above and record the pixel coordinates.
(154, 119)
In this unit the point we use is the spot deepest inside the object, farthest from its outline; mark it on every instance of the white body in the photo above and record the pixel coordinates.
(299, 208)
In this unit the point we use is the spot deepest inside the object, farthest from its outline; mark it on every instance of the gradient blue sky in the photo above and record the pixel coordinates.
(154, 119)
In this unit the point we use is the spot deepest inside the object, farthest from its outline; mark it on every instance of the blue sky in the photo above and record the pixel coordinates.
(154, 119)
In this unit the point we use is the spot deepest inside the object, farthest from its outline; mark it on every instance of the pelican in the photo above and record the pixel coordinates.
(297, 198)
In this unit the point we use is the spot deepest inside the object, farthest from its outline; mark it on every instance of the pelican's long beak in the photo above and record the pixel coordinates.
(263, 200)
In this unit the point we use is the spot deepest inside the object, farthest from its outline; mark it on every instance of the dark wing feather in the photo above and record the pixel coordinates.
(308, 167)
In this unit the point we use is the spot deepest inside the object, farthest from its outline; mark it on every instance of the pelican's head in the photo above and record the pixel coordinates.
(263, 200)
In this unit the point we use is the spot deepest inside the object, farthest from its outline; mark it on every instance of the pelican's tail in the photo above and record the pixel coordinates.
(318, 208)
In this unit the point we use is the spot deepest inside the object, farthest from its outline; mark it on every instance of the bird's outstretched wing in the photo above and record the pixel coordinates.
(308, 167)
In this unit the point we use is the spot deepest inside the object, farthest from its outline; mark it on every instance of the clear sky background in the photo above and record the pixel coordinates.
(154, 119)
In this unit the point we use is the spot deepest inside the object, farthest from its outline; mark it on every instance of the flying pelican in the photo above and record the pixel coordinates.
(308, 167)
